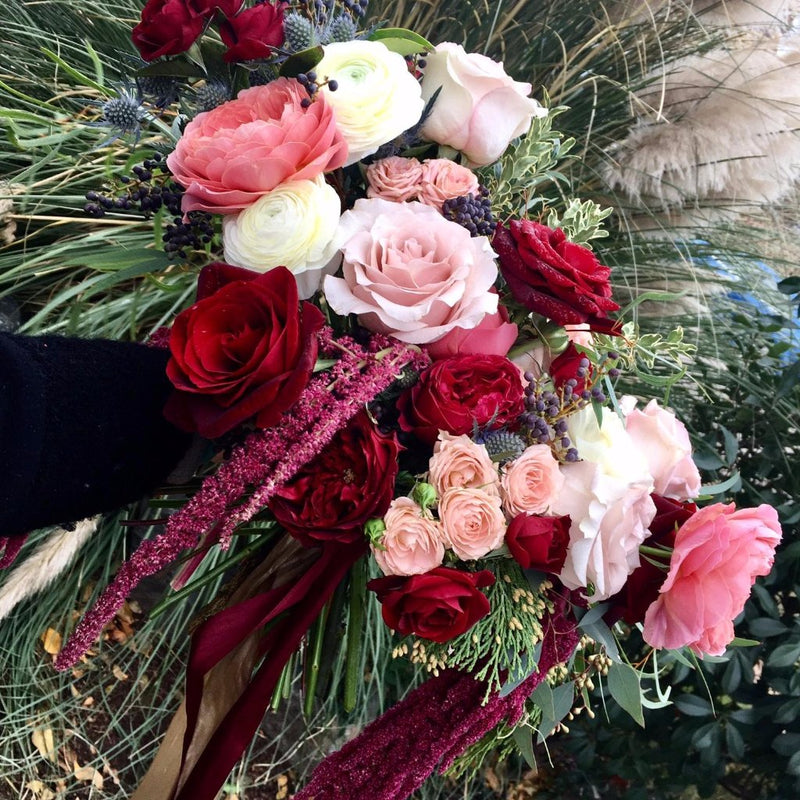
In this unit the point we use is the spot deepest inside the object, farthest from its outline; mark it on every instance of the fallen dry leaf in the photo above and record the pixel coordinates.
(39, 790)
(88, 773)
(51, 639)
(44, 742)
(118, 673)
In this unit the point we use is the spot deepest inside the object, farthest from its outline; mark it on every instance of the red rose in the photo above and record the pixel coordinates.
(254, 33)
(207, 8)
(438, 605)
(333, 496)
(244, 353)
(457, 393)
(565, 366)
(168, 27)
(539, 542)
(553, 277)
(641, 588)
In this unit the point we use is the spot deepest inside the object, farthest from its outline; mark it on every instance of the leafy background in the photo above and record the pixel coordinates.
(734, 728)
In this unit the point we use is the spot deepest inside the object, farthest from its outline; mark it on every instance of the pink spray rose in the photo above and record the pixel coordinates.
(412, 543)
(480, 108)
(473, 522)
(410, 273)
(443, 179)
(230, 156)
(532, 482)
(458, 462)
(394, 178)
(664, 441)
(718, 554)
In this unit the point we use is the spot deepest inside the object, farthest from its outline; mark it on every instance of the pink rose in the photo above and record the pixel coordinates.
(443, 179)
(411, 273)
(394, 178)
(458, 462)
(718, 554)
(532, 482)
(480, 108)
(230, 156)
(412, 543)
(610, 516)
(664, 441)
(494, 335)
(473, 522)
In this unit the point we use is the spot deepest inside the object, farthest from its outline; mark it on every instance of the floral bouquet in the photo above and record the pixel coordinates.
(403, 362)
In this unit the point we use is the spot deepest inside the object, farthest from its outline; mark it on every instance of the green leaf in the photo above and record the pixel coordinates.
(732, 483)
(623, 683)
(401, 40)
(764, 627)
(77, 75)
(784, 655)
(739, 642)
(602, 634)
(304, 61)
(524, 741)
(732, 676)
(555, 704)
(693, 706)
(734, 742)
(786, 744)
(731, 446)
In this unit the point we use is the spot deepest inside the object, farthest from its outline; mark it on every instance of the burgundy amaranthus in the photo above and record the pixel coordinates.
(265, 461)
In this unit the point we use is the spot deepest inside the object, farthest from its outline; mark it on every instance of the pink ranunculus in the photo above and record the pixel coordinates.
(610, 516)
(664, 441)
(493, 336)
(532, 482)
(718, 554)
(394, 178)
(473, 522)
(410, 273)
(458, 462)
(443, 179)
(230, 156)
(480, 108)
(412, 543)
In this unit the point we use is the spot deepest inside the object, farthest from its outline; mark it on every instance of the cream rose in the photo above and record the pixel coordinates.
(291, 226)
(458, 462)
(394, 178)
(664, 442)
(411, 273)
(480, 108)
(473, 522)
(412, 543)
(610, 516)
(531, 483)
(377, 97)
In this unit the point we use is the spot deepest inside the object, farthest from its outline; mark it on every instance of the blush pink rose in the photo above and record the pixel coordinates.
(410, 273)
(494, 335)
(394, 178)
(443, 179)
(473, 522)
(531, 483)
(480, 108)
(718, 554)
(230, 156)
(458, 462)
(664, 442)
(610, 515)
(412, 543)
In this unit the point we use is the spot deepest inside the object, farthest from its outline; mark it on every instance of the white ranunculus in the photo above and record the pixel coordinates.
(292, 226)
(377, 97)
(480, 108)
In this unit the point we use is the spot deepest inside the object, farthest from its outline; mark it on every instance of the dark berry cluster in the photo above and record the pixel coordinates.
(150, 189)
(310, 82)
(472, 212)
(358, 8)
(545, 416)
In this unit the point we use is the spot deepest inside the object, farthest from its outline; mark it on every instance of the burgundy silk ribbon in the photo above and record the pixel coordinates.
(290, 609)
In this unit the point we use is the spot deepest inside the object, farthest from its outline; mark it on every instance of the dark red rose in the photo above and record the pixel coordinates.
(565, 366)
(333, 496)
(207, 8)
(456, 393)
(439, 605)
(552, 276)
(641, 589)
(167, 27)
(244, 353)
(254, 33)
(539, 542)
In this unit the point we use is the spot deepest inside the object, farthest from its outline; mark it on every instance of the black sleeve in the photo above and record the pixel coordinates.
(81, 429)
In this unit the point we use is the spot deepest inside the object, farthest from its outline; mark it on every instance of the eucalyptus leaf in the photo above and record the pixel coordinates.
(623, 683)
(301, 62)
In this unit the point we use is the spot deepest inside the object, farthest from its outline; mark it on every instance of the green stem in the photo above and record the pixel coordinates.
(314, 658)
(353, 674)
